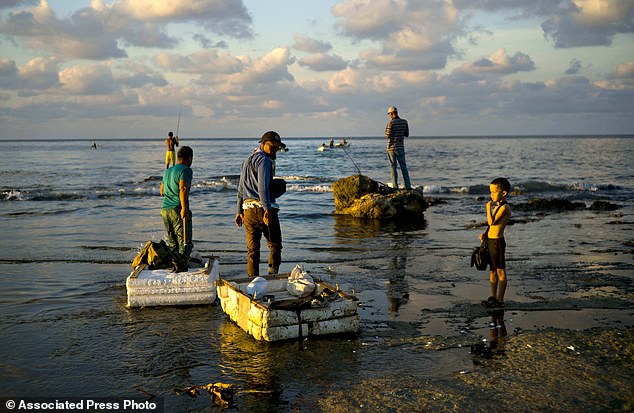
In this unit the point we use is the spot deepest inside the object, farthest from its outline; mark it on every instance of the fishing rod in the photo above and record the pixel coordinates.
(180, 108)
(353, 162)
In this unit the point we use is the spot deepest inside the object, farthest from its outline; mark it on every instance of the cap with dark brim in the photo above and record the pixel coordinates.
(274, 137)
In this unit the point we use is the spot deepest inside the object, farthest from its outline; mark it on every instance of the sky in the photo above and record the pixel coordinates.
(314, 68)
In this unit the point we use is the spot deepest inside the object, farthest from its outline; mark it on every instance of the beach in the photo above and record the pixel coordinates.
(74, 218)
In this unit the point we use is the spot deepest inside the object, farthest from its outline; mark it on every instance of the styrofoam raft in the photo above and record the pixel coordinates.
(163, 287)
(263, 323)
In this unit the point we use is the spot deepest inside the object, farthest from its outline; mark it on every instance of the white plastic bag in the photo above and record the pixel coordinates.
(299, 283)
(257, 287)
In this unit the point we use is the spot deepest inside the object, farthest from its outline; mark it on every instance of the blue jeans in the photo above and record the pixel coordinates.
(398, 155)
(174, 227)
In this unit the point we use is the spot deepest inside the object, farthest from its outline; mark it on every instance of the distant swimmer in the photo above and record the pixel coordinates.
(94, 145)
(170, 145)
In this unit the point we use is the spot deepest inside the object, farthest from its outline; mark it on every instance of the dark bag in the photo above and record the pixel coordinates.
(480, 256)
(277, 188)
(157, 255)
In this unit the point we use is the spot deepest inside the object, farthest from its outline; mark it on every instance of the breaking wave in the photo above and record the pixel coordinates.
(294, 184)
(527, 187)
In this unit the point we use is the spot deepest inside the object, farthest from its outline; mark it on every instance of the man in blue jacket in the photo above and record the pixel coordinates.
(256, 207)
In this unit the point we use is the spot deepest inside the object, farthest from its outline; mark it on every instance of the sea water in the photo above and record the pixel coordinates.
(72, 219)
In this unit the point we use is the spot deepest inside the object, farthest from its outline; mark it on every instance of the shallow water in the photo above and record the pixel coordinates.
(73, 219)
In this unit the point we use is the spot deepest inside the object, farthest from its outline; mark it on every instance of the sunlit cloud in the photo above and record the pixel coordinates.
(442, 62)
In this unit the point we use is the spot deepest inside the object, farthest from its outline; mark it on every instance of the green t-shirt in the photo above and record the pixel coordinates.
(171, 179)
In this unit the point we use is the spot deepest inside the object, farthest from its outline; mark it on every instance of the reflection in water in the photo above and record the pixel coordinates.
(351, 230)
(497, 338)
(390, 240)
(497, 333)
(167, 343)
(398, 288)
(275, 376)
(250, 363)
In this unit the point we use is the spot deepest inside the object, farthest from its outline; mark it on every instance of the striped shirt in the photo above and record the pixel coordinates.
(395, 132)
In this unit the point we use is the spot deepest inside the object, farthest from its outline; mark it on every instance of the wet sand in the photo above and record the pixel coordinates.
(563, 343)
(553, 370)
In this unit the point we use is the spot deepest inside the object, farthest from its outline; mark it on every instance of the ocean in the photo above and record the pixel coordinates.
(74, 217)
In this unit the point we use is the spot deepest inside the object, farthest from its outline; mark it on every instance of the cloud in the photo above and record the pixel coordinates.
(223, 17)
(8, 68)
(435, 58)
(590, 23)
(100, 32)
(206, 43)
(306, 44)
(10, 4)
(359, 83)
(37, 74)
(84, 35)
(523, 8)
(413, 34)
(499, 63)
(88, 80)
(270, 68)
(575, 67)
(321, 62)
(625, 70)
(201, 62)
(569, 23)
(132, 74)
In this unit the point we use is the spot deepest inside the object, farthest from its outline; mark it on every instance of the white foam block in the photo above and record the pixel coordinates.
(163, 287)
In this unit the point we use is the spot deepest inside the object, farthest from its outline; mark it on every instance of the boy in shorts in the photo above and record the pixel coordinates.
(498, 214)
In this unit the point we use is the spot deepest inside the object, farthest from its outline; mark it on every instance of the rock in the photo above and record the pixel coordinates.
(362, 197)
(549, 204)
(435, 201)
(347, 190)
(603, 206)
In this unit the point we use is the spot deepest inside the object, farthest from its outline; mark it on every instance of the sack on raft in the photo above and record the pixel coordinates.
(299, 283)
(257, 287)
(157, 256)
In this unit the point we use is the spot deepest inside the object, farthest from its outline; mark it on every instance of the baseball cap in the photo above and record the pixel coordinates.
(392, 109)
(272, 136)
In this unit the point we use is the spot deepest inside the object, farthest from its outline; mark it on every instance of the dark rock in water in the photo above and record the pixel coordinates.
(347, 190)
(435, 201)
(603, 206)
(546, 204)
(363, 197)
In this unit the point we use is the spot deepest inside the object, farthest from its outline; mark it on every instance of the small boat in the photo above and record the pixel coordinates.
(147, 287)
(277, 315)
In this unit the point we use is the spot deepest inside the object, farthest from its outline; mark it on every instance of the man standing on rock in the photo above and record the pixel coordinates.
(396, 131)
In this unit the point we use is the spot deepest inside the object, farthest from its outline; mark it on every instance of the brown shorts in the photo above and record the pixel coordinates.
(497, 252)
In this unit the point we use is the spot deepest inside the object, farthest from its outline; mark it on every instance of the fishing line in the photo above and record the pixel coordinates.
(353, 162)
